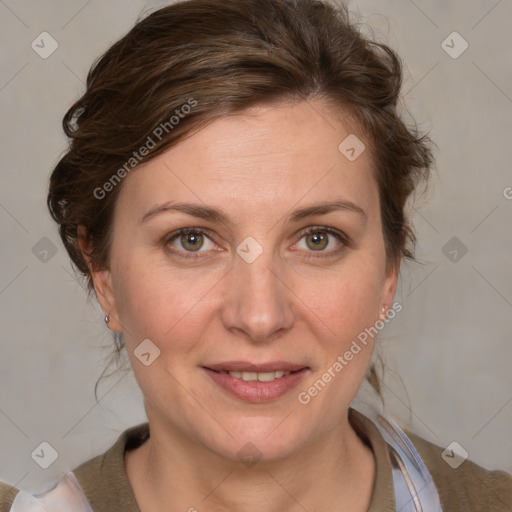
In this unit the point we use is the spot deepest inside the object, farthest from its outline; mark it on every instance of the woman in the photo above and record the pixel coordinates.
(234, 193)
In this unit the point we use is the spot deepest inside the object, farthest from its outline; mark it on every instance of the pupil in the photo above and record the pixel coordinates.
(191, 240)
(317, 239)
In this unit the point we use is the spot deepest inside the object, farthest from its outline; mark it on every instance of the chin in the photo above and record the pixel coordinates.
(256, 439)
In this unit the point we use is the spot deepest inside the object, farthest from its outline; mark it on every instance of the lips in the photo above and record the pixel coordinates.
(256, 382)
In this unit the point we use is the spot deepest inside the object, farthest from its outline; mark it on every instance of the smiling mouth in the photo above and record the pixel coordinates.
(257, 376)
(261, 372)
(257, 383)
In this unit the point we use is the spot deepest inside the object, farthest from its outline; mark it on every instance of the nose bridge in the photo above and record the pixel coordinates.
(258, 303)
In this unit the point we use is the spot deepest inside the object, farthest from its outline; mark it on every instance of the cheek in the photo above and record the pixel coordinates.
(343, 302)
(342, 315)
(158, 302)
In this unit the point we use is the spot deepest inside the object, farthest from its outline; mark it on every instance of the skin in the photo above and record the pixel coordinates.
(257, 167)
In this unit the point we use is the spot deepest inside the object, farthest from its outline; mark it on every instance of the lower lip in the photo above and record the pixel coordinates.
(256, 391)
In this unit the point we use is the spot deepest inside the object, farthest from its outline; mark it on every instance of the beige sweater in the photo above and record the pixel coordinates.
(469, 488)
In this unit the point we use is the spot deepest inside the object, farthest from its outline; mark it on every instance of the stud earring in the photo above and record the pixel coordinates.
(107, 320)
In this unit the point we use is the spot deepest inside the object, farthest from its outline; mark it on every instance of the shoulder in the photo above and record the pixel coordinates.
(97, 485)
(103, 478)
(468, 487)
(7, 495)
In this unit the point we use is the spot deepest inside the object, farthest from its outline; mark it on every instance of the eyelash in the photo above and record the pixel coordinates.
(344, 239)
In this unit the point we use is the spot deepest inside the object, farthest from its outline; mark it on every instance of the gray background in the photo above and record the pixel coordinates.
(448, 352)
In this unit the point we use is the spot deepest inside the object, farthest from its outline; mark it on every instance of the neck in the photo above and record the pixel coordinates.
(335, 472)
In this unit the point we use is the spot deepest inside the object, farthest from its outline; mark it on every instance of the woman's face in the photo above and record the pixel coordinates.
(268, 279)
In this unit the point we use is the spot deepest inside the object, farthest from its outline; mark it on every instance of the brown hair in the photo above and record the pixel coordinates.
(218, 58)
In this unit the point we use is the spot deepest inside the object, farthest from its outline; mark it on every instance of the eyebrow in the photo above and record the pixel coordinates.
(214, 215)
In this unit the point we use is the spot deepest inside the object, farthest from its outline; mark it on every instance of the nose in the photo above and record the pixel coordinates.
(259, 304)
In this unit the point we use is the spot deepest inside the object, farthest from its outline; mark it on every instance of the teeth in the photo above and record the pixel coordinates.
(261, 376)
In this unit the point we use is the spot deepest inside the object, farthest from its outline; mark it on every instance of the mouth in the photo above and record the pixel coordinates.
(256, 383)
(258, 376)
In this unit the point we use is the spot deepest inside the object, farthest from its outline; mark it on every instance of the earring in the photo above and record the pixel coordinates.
(383, 312)
(107, 320)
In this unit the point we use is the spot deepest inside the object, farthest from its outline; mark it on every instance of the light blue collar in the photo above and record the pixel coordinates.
(414, 488)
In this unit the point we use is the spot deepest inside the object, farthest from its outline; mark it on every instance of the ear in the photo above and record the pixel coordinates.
(390, 283)
(102, 280)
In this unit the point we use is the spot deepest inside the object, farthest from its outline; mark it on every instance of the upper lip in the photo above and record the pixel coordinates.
(245, 366)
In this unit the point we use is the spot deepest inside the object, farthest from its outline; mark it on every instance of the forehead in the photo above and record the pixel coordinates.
(262, 156)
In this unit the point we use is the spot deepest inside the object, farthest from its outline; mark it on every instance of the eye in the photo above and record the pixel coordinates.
(318, 239)
(189, 240)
